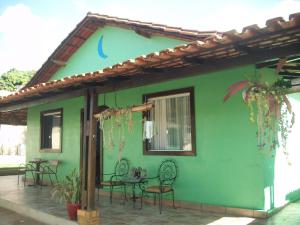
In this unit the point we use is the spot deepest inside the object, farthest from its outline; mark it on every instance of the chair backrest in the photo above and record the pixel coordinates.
(122, 167)
(167, 172)
(53, 164)
(36, 159)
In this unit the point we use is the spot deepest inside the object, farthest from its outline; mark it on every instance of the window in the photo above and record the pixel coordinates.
(51, 130)
(169, 127)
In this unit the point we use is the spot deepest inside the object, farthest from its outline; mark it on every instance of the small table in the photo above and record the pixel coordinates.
(37, 168)
(133, 181)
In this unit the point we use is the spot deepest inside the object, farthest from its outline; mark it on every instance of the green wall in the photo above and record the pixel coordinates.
(228, 169)
(70, 155)
(118, 44)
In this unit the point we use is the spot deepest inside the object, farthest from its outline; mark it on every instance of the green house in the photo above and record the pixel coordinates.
(119, 63)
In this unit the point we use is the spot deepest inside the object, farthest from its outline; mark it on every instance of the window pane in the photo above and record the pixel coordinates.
(51, 130)
(172, 123)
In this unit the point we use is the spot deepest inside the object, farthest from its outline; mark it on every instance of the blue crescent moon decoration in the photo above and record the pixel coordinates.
(100, 48)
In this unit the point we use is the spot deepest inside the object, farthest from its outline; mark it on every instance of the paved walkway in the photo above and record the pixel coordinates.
(11, 218)
(290, 215)
(124, 214)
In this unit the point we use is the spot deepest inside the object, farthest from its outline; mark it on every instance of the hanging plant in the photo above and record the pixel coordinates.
(269, 107)
(119, 118)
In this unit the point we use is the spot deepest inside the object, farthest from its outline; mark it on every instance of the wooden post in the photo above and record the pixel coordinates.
(91, 151)
(88, 215)
(84, 151)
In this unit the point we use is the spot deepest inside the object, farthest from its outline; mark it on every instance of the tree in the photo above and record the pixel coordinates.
(14, 79)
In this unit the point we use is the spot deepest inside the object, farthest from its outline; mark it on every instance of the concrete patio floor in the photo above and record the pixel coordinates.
(37, 203)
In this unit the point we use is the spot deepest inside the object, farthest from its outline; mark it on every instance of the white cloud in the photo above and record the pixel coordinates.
(239, 16)
(81, 5)
(232, 16)
(26, 40)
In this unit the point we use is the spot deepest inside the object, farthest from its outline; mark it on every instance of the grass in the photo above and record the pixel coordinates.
(10, 161)
(8, 165)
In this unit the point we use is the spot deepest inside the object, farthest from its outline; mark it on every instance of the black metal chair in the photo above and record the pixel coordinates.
(49, 169)
(24, 169)
(115, 179)
(162, 183)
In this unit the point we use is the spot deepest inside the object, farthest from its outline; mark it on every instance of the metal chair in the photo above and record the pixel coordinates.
(115, 179)
(49, 169)
(24, 169)
(162, 183)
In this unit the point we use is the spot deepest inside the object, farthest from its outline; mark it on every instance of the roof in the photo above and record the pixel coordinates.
(94, 21)
(232, 46)
(18, 117)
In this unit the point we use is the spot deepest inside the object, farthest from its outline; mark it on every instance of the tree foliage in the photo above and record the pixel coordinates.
(14, 79)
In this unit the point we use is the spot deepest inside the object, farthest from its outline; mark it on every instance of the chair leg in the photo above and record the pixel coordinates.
(50, 178)
(142, 196)
(125, 190)
(110, 193)
(124, 193)
(42, 181)
(33, 177)
(173, 199)
(18, 177)
(160, 202)
(98, 192)
(56, 178)
(24, 179)
(154, 202)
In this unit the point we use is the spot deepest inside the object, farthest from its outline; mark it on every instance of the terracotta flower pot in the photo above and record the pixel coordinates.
(72, 210)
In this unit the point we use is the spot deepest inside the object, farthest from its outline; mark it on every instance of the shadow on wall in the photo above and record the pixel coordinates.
(283, 171)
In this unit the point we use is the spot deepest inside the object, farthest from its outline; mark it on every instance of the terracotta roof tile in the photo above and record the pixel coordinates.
(209, 48)
(91, 23)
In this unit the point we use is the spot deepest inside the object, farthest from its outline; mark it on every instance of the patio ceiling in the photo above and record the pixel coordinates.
(290, 69)
(279, 39)
(18, 117)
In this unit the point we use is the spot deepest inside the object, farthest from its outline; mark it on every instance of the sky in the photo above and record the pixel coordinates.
(30, 30)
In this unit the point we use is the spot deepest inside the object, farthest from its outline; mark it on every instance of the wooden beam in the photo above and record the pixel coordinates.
(290, 77)
(291, 67)
(152, 70)
(193, 60)
(268, 63)
(59, 62)
(143, 33)
(119, 78)
(287, 73)
(207, 67)
(243, 48)
(273, 63)
(137, 108)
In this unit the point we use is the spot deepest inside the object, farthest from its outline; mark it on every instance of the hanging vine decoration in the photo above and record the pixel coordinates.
(119, 118)
(269, 107)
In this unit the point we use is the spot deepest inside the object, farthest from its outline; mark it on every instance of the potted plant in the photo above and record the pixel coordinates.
(69, 191)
